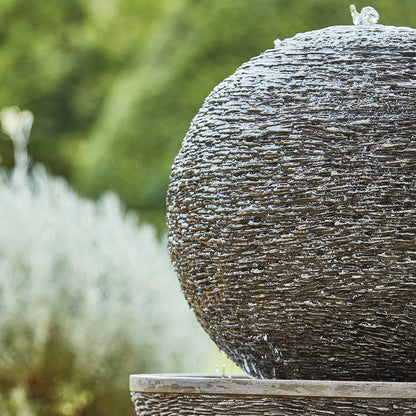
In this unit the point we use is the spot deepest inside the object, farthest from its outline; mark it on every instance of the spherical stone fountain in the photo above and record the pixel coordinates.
(292, 226)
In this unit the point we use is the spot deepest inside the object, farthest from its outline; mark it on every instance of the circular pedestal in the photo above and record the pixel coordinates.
(170, 394)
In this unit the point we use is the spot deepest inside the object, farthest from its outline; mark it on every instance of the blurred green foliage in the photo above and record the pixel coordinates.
(60, 58)
(114, 84)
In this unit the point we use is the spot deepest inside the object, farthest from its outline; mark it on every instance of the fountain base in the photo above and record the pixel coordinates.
(171, 394)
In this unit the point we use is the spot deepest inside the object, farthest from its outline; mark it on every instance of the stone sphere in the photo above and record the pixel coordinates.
(292, 208)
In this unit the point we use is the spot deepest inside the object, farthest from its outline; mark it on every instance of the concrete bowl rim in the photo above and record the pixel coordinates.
(245, 385)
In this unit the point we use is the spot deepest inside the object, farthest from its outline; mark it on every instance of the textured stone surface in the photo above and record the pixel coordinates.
(167, 394)
(291, 208)
(168, 404)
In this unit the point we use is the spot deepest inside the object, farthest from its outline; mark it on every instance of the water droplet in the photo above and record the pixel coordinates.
(277, 42)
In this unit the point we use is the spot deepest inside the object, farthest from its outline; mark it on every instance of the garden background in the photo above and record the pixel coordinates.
(113, 86)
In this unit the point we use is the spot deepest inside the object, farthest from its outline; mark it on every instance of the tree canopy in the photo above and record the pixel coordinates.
(115, 84)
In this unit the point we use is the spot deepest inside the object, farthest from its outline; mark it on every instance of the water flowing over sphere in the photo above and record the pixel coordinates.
(291, 208)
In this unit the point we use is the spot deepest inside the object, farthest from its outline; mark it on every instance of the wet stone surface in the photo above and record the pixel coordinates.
(291, 208)
(148, 404)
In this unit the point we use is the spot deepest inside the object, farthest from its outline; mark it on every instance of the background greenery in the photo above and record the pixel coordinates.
(114, 84)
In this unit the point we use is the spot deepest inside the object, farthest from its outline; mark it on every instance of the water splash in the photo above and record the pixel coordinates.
(367, 16)
(221, 365)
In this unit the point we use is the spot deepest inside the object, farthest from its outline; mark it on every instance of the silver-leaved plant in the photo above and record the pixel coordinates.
(87, 296)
